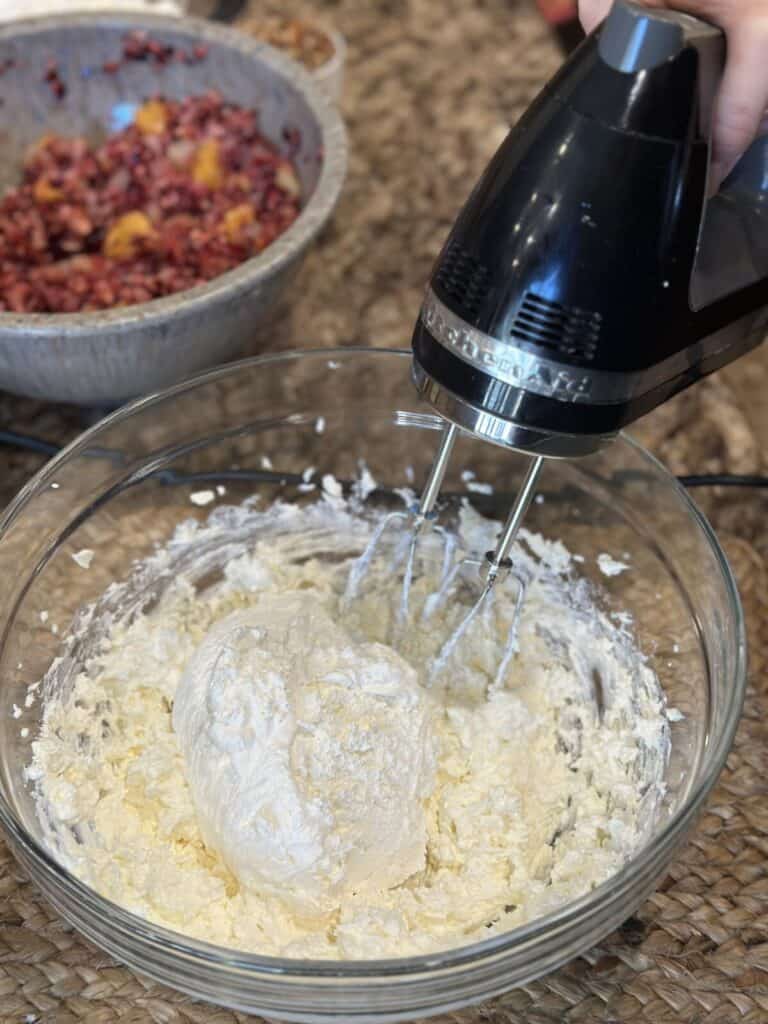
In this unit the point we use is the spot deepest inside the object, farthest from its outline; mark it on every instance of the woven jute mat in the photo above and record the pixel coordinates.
(431, 87)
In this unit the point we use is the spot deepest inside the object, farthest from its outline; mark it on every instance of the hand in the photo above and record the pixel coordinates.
(740, 106)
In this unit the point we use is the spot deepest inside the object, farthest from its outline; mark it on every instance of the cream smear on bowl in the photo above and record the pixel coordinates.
(250, 763)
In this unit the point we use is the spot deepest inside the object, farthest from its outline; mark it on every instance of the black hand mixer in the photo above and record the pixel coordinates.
(589, 277)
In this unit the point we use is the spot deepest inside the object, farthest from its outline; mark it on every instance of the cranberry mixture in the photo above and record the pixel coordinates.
(185, 193)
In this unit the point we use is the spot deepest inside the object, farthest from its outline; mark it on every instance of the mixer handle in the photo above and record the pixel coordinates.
(732, 247)
(635, 38)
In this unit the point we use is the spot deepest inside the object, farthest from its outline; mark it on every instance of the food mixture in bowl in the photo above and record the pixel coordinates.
(251, 761)
(189, 190)
(302, 41)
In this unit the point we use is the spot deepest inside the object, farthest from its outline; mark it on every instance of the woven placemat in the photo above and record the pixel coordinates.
(431, 86)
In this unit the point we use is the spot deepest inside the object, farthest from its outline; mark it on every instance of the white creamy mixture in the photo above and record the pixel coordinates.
(250, 765)
(309, 756)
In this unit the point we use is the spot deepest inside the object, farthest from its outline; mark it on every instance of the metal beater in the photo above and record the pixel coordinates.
(496, 563)
(589, 277)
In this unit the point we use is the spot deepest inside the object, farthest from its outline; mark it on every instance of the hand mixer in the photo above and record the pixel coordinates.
(589, 278)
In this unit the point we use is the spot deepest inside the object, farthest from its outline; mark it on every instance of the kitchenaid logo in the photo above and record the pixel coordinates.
(502, 360)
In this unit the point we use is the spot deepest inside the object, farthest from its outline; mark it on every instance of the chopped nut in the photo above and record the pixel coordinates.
(152, 117)
(120, 243)
(207, 169)
(286, 179)
(241, 181)
(180, 152)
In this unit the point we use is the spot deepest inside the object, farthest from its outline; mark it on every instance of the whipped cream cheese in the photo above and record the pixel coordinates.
(253, 765)
(309, 756)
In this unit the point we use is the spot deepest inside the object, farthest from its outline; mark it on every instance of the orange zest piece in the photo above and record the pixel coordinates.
(45, 192)
(120, 243)
(207, 169)
(237, 219)
(152, 117)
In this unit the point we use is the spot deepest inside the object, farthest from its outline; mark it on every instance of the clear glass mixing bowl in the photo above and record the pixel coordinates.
(125, 485)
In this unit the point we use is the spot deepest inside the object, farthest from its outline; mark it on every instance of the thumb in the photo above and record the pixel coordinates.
(743, 96)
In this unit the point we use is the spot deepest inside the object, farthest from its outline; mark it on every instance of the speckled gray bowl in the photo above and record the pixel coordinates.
(102, 359)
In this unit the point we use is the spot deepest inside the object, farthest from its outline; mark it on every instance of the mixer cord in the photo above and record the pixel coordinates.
(724, 480)
(27, 442)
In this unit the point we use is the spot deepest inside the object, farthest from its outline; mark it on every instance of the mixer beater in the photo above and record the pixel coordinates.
(589, 277)
(496, 563)
(414, 519)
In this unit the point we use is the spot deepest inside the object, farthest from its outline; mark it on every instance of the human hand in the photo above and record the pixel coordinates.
(740, 107)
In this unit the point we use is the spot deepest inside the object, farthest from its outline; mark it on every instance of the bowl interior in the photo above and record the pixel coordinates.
(110, 497)
(99, 102)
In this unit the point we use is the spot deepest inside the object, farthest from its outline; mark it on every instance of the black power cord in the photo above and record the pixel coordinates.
(11, 439)
(724, 480)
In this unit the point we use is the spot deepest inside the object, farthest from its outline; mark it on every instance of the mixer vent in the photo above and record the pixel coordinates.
(464, 279)
(565, 330)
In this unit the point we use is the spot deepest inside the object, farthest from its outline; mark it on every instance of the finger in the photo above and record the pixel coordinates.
(592, 12)
(743, 95)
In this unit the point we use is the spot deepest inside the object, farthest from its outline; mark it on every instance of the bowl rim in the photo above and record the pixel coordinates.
(226, 286)
(207, 954)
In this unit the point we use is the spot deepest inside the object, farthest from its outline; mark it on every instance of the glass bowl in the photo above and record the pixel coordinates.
(126, 484)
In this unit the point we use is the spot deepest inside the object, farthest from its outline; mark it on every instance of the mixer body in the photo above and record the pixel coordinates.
(588, 278)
